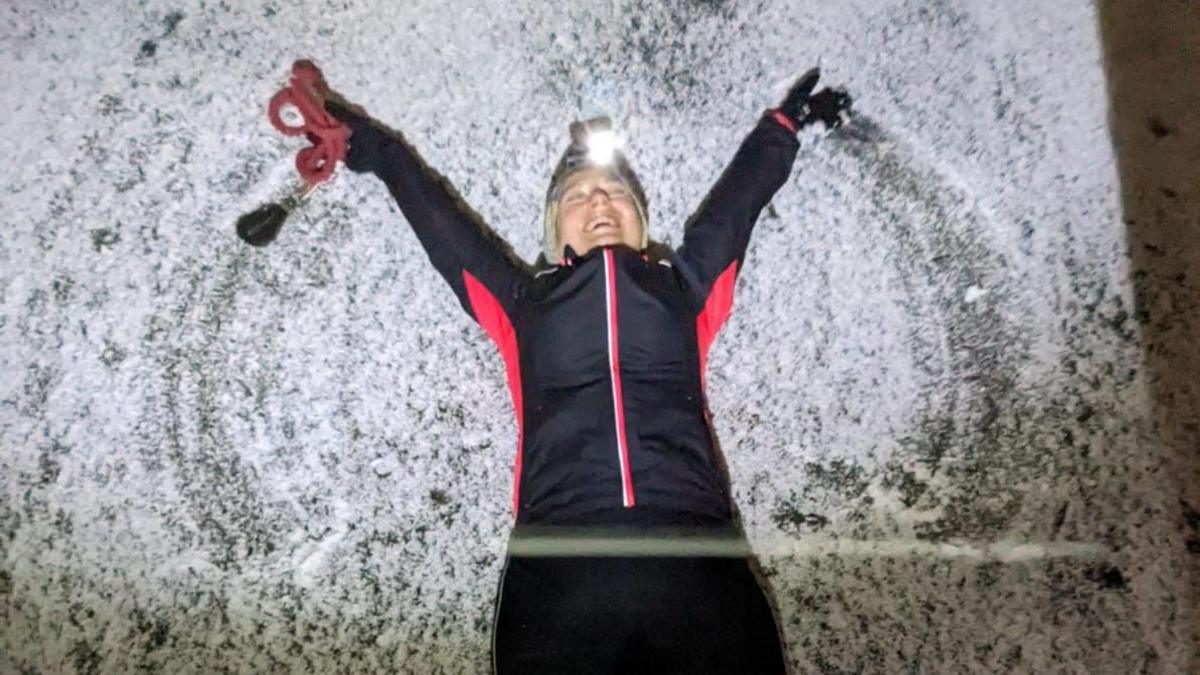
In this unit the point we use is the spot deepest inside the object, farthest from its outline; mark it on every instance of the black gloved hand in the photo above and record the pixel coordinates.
(364, 147)
(803, 107)
(794, 104)
(828, 106)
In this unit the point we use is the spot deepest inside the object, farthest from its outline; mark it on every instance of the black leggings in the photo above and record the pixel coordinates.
(633, 615)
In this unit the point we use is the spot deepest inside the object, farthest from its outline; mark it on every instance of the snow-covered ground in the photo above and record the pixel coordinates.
(932, 393)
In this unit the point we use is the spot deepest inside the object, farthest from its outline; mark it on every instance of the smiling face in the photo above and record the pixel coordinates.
(597, 209)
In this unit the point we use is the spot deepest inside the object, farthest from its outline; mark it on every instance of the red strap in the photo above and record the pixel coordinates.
(328, 135)
(784, 120)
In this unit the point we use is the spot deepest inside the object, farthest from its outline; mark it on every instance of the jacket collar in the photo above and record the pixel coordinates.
(570, 257)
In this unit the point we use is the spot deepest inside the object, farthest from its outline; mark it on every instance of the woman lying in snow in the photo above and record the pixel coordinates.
(605, 341)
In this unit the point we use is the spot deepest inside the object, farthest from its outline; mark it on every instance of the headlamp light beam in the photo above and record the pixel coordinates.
(601, 146)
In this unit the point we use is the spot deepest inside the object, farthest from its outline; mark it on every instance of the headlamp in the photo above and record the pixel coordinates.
(594, 142)
(601, 146)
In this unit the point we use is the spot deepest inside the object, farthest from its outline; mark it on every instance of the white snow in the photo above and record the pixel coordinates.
(299, 458)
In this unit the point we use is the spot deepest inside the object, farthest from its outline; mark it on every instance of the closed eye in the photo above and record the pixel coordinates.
(614, 191)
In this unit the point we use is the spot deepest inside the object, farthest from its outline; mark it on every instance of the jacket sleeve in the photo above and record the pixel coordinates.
(716, 237)
(473, 260)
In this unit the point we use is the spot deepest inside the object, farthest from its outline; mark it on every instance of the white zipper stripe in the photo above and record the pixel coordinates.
(613, 360)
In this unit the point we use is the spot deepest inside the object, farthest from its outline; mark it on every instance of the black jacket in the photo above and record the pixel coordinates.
(605, 352)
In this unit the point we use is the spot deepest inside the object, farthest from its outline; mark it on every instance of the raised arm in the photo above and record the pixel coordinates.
(716, 237)
(464, 251)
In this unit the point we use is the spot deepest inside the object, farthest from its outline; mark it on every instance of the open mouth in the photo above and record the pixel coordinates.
(601, 223)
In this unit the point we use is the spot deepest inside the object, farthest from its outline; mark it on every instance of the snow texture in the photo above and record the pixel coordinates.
(931, 393)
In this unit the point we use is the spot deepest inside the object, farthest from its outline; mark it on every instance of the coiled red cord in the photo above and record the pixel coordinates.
(328, 136)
